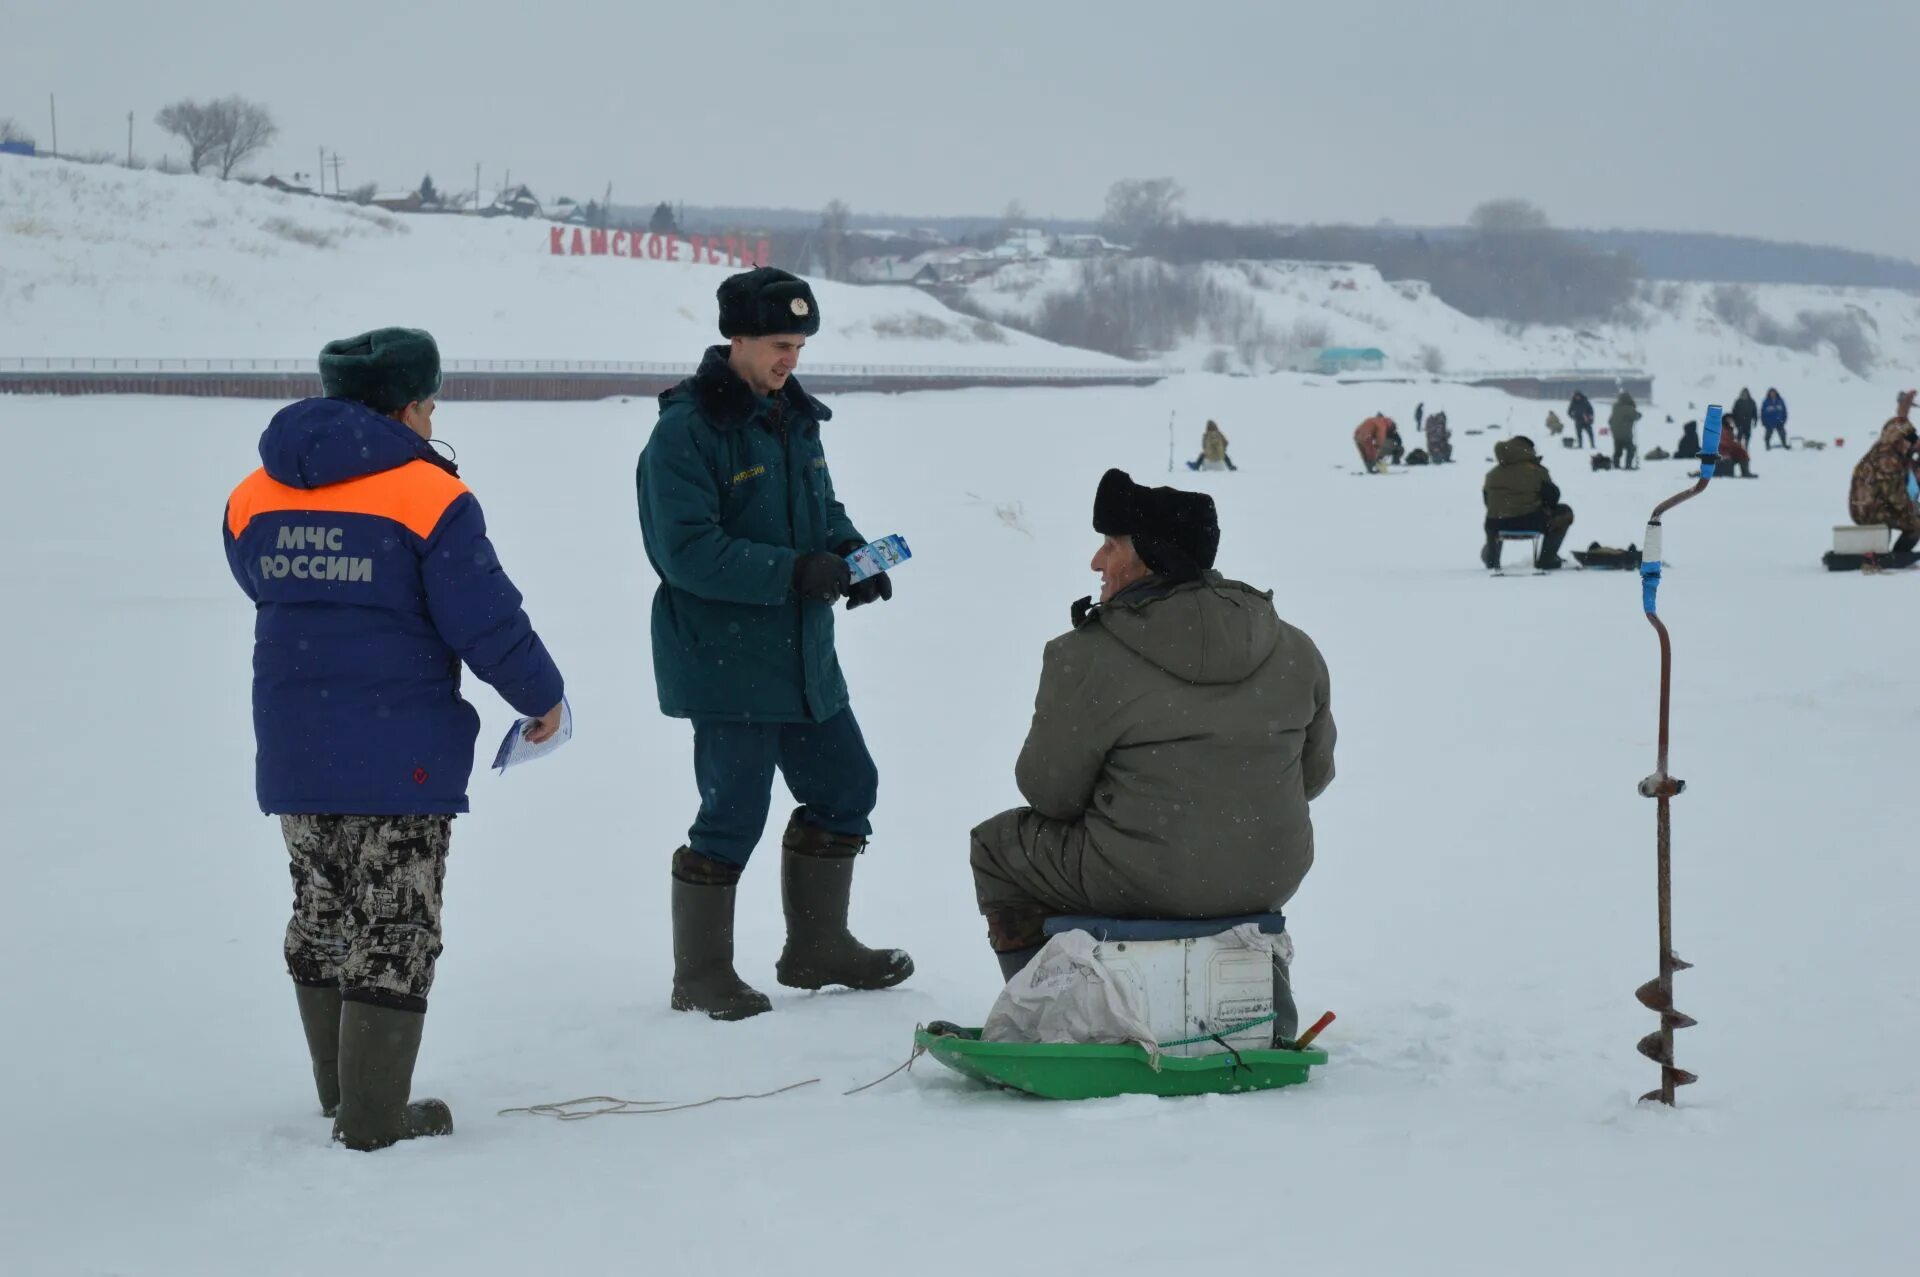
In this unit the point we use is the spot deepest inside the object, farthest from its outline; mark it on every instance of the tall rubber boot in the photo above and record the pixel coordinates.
(703, 976)
(816, 878)
(1286, 1016)
(320, 1018)
(378, 1046)
(1014, 961)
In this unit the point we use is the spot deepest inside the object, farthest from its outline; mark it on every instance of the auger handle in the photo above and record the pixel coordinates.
(1306, 1039)
(1653, 551)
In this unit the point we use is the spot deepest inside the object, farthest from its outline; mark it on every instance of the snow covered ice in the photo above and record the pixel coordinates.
(1480, 914)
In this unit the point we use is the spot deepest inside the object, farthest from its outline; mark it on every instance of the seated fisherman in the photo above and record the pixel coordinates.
(1180, 730)
(1213, 450)
(1372, 437)
(1689, 446)
(1882, 484)
(1521, 496)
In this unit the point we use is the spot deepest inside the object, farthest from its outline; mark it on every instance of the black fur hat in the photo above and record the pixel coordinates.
(1175, 533)
(767, 301)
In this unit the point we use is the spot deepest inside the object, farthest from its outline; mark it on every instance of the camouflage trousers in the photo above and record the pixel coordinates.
(366, 903)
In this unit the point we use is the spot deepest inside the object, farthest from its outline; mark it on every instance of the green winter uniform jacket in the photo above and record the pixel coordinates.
(733, 488)
(1519, 485)
(1178, 735)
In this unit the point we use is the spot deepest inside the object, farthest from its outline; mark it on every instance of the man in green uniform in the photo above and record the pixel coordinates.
(742, 526)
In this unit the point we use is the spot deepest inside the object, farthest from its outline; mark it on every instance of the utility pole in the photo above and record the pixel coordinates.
(322, 170)
(53, 118)
(129, 139)
(335, 161)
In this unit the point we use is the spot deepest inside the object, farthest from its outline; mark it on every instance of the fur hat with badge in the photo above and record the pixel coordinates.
(767, 302)
(1175, 533)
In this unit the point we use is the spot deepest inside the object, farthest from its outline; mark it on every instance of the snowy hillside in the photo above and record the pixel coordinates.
(100, 261)
(1479, 915)
(1687, 335)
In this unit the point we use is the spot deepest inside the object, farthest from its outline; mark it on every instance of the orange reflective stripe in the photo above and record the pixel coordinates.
(414, 495)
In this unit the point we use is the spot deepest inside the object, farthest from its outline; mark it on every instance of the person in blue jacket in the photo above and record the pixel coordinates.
(744, 530)
(373, 580)
(1773, 417)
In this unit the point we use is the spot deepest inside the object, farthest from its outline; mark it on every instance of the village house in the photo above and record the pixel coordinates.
(515, 201)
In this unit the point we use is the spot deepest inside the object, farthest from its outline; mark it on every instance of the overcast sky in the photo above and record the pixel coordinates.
(1780, 118)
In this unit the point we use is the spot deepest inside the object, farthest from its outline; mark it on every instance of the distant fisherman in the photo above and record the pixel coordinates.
(373, 579)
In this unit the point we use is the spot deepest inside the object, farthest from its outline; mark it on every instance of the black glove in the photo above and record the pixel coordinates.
(820, 576)
(874, 589)
(1081, 608)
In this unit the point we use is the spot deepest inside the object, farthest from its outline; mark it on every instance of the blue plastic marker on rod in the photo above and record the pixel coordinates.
(875, 557)
(1651, 553)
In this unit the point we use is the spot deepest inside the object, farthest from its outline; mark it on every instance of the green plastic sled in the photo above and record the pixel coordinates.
(1091, 1071)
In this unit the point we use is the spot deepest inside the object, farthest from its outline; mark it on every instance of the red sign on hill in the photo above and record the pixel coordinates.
(715, 250)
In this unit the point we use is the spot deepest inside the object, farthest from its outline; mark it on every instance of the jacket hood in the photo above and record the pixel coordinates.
(1511, 451)
(727, 401)
(1210, 631)
(316, 443)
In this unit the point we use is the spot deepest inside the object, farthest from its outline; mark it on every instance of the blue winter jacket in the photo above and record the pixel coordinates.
(373, 579)
(1773, 412)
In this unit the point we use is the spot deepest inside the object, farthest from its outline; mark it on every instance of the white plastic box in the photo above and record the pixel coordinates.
(1851, 539)
(1193, 988)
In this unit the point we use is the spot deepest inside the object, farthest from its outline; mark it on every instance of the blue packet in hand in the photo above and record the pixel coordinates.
(875, 557)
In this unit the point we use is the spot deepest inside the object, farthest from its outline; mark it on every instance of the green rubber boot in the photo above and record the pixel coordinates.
(816, 879)
(378, 1046)
(703, 975)
(320, 1017)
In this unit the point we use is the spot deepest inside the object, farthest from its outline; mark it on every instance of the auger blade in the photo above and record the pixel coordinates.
(1656, 1048)
(1669, 1077)
(1653, 997)
(1680, 963)
(1678, 1020)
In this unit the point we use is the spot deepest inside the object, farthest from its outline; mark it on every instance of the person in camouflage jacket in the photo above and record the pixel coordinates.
(1880, 493)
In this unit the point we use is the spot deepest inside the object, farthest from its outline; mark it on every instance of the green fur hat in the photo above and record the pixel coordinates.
(386, 369)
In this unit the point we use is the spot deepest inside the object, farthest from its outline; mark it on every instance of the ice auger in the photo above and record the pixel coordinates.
(1657, 994)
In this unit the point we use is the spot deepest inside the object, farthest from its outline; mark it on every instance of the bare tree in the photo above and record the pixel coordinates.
(195, 125)
(1507, 217)
(363, 193)
(246, 130)
(1013, 215)
(11, 132)
(834, 224)
(1137, 207)
(223, 132)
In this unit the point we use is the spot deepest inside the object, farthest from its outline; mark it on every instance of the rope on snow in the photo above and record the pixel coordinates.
(612, 1106)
